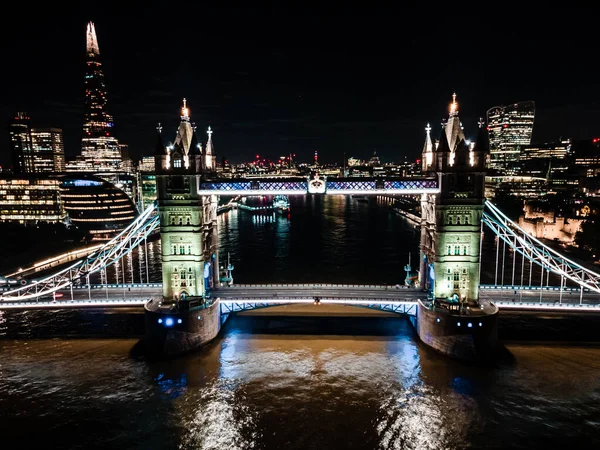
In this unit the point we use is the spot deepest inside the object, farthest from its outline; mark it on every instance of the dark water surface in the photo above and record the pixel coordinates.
(68, 380)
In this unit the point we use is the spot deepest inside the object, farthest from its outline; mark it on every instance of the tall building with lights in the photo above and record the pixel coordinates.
(510, 128)
(100, 149)
(48, 149)
(21, 147)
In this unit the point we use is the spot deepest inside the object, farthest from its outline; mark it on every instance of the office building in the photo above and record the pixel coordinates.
(48, 150)
(21, 147)
(510, 129)
(30, 198)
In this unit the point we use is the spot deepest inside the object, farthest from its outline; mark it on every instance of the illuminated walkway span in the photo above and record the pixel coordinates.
(538, 253)
(335, 186)
(584, 296)
(108, 254)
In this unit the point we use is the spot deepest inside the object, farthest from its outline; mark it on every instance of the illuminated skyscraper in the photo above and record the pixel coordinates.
(21, 148)
(510, 128)
(99, 148)
(48, 150)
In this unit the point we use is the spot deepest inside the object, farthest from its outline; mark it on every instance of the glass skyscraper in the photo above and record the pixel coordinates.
(99, 148)
(21, 147)
(510, 128)
(48, 149)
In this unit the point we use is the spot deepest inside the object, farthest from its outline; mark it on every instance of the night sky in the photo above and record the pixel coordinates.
(278, 82)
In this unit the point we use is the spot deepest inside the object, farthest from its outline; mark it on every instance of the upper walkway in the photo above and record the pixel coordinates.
(320, 185)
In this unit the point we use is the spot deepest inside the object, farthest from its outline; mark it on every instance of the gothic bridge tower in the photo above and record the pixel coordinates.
(451, 220)
(188, 226)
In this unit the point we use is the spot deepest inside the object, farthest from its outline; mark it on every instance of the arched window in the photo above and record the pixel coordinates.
(457, 220)
(457, 249)
(174, 249)
(188, 220)
(181, 250)
(449, 249)
(466, 220)
(449, 222)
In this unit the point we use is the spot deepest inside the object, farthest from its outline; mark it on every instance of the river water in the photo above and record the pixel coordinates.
(68, 379)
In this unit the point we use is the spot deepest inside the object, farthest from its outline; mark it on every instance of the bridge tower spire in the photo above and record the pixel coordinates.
(451, 220)
(428, 149)
(185, 216)
(459, 210)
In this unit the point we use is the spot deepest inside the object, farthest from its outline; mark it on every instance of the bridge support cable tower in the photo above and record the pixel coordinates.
(185, 316)
(183, 221)
(454, 320)
(110, 253)
(536, 252)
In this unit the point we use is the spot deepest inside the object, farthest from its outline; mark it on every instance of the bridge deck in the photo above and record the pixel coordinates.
(136, 295)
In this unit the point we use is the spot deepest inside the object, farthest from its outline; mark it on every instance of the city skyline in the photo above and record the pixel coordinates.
(266, 86)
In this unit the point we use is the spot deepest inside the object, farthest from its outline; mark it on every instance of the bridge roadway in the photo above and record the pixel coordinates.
(136, 295)
(113, 296)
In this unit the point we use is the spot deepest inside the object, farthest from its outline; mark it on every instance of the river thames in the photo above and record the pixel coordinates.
(68, 379)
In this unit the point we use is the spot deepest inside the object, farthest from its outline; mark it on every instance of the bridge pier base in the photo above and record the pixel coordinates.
(470, 336)
(179, 328)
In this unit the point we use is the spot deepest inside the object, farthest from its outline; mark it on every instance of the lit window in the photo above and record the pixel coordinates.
(177, 163)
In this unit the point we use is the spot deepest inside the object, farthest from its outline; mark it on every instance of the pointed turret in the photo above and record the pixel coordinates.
(91, 40)
(428, 149)
(162, 159)
(461, 155)
(442, 153)
(195, 146)
(195, 154)
(184, 131)
(454, 131)
(482, 147)
(159, 149)
(209, 157)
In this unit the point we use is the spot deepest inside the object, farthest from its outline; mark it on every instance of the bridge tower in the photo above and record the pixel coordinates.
(451, 220)
(186, 218)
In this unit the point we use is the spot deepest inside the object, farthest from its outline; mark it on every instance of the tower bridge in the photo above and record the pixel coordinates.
(187, 309)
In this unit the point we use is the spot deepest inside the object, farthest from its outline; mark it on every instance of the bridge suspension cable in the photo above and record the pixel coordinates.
(536, 251)
(108, 254)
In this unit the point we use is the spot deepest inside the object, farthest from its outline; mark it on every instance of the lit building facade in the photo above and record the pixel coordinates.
(96, 206)
(558, 150)
(510, 129)
(451, 220)
(30, 198)
(147, 180)
(99, 148)
(188, 221)
(48, 150)
(21, 147)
